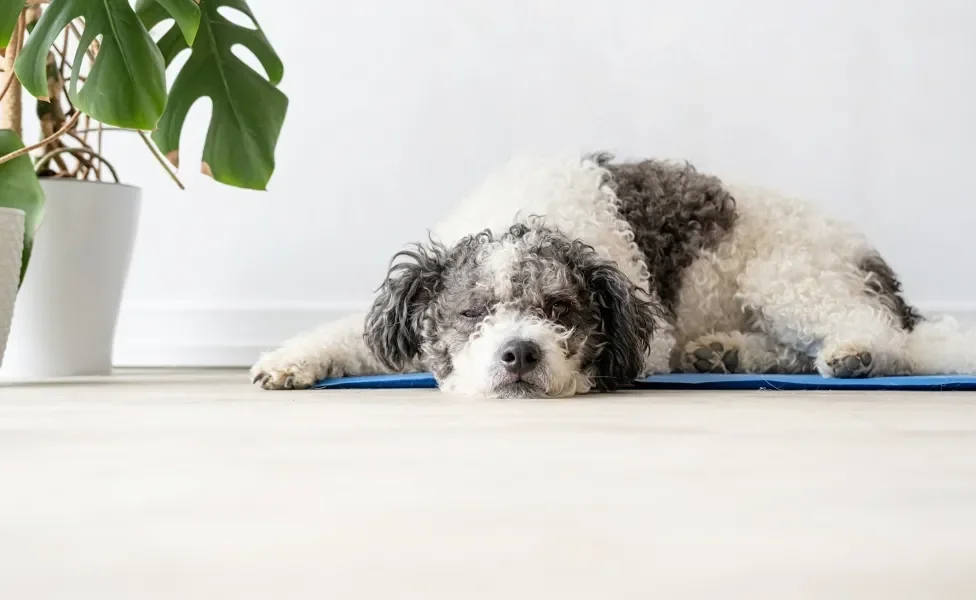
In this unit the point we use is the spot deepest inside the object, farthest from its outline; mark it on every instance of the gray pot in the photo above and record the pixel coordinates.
(11, 249)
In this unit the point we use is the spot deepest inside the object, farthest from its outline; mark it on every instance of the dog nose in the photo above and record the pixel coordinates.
(520, 356)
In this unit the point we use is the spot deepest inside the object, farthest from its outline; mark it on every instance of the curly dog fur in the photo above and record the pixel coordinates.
(561, 276)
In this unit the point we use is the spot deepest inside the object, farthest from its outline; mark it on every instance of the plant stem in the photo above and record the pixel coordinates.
(152, 148)
(160, 158)
(9, 84)
(87, 151)
(91, 129)
(11, 107)
(44, 142)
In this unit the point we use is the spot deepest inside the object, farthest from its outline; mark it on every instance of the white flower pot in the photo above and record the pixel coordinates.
(11, 249)
(67, 309)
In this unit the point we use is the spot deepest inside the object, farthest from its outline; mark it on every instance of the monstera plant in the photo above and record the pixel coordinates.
(125, 84)
(94, 66)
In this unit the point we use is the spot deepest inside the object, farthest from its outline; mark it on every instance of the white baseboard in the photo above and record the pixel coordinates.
(234, 336)
(229, 336)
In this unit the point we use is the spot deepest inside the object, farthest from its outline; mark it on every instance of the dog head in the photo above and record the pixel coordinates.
(530, 313)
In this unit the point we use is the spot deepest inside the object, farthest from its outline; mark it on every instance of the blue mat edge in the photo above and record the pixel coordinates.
(701, 382)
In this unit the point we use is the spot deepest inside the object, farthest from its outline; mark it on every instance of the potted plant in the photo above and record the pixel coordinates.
(93, 66)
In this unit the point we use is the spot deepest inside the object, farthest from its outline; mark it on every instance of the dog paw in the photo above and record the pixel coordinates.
(848, 364)
(279, 371)
(712, 358)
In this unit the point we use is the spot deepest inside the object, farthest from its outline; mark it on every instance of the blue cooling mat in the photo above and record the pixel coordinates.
(934, 383)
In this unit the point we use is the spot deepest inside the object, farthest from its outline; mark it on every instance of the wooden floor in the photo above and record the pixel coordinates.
(186, 485)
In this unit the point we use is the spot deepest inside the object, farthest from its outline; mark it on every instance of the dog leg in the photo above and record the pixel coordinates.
(660, 348)
(825, 312)
(335, 349)
(740, 352)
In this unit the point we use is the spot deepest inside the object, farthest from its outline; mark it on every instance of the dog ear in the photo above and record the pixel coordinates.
(627, 324)
(393, 325)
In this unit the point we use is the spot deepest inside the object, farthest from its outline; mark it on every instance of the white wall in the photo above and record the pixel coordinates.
(399, 107)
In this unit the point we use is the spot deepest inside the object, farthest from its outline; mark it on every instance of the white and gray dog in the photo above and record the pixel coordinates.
(558, 277)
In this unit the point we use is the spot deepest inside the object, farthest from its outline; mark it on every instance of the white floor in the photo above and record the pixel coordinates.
(197, 485)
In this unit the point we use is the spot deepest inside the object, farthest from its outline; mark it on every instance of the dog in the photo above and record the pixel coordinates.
(579, 273)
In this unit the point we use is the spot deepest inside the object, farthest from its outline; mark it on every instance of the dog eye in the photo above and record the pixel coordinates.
(558, 309)
(473, 313)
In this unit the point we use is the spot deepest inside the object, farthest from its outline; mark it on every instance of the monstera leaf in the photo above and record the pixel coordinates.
(126, 85)
(187, 16)
(9, 11)
(20, 190)
(248, 109)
